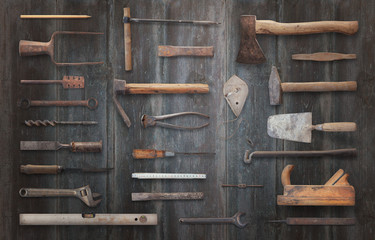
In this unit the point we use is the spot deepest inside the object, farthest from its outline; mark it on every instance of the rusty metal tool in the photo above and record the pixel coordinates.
(168, 175)
(248, 157)
(276, 88)
(335, 192)
(127, 32)
(152, 121)
(90, 103)
(235, 93)
(251, 53)
(88, 219)
(54, 146)
(34, 48)
(235, 220)
(298, 127)
(121, 87)
(176, 51)
(153, 153)
(55, 16)
(56, 169)
(84, 193)
(323, 56)
(316, 221)
(53, 123)
(241, 185)
(167, 196)
(66, 82)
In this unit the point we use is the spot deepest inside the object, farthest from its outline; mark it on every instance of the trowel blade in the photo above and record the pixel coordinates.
(294, 127)
(235, 92)
(39, 145)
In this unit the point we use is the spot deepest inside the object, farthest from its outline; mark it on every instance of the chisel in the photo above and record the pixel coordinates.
(316, 221)
(56, 169)
(152, 153)
(54, 145)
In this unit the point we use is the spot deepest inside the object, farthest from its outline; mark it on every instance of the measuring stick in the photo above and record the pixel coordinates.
(168, 176)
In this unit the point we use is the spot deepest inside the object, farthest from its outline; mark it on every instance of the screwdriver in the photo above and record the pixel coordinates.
(152, 153)
(56, 169)
(316, 221)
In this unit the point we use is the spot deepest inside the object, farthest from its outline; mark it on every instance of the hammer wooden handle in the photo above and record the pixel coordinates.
(275, 28)
(336, 127)
(148, 153)
(157, 88)
(40, 169)
(127, 42)
(319, 86)
(323, 56)
(174, 51)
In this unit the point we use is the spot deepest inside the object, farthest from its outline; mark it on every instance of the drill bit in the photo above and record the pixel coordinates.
(44, 123)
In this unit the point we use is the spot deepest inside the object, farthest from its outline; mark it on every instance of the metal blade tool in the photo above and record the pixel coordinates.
(54, 146)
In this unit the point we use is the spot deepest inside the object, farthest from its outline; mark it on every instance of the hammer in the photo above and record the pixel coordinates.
(121, 87)
(250, 51)
(277, 88)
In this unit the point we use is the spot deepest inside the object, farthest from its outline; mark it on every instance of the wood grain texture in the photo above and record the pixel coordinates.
(167, 196)
(323, 56)
(174, 51)
(319, 86)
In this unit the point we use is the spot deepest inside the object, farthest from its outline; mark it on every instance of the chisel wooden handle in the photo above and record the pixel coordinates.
(86, 146)
(157, 88)
(148, 153)
(127, 42)
(275, 28)
(320, 221)
(34, 48)
(40, 169)
(319, 86)
(323, 56)
(174, 51)
(336, 127)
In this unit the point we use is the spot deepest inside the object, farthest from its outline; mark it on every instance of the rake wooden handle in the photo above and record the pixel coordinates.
(148, 153)
(40, 169)
(157, 88)
(336, 127)
(127, 42)
(275, 28)
(319, 86)
(323, 56)
(174, 51)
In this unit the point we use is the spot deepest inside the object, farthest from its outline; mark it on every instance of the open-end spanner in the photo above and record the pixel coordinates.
(236, 220)
(91, 103)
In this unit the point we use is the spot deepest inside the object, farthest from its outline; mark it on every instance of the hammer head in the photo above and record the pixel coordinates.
(250, 51)
(274, 88)
(119, 86)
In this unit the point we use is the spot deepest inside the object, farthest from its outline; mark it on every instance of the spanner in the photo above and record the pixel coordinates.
(91, 103)
(236, 220)
(83, 193)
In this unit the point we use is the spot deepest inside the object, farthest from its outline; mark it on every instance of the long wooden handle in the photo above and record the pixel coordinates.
(40, 169)
(157, 88)
(336, 127)
(148, 153)
(335, 152)
(54, 16)
(167, 196)
(174, 51)
(275, 28)
(320, 221)
(323, 56)
(127, 42)
(86, 146)
(319, 86)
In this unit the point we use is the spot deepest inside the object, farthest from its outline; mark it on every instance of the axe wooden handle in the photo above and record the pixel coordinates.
(127, 42)
(174, 51)
(147, 153)
(323, 56)
(319, 86)
(275, 28)
(336, 127)
(158, 88)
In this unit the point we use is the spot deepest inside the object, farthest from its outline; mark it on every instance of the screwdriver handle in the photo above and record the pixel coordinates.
(40, 169)
(86, 146)
(148, 153)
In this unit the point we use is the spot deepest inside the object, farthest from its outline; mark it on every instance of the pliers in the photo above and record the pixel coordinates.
(151, 121)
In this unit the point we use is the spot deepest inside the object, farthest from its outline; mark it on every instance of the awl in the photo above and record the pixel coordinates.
(316, 221)
(152, 153)
(56, 169)
(54, 145)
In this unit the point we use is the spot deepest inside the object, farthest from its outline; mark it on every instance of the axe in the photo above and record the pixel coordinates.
(250, 51)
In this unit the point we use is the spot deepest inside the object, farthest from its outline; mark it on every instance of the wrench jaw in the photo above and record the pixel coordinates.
(89, 198)
(237, 220)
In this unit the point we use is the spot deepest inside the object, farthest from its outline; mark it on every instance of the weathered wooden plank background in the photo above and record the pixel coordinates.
(229, 140)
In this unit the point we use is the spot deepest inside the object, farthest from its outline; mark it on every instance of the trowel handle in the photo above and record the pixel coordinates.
(158, 88)
(336, 127)
(148, 153)
(275, 28)
(319, 86)
(33, 48)
(127, 42)
(40, 169)
(86, 146)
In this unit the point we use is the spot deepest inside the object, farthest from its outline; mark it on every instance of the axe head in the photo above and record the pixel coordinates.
(274, 88)
(250, 51)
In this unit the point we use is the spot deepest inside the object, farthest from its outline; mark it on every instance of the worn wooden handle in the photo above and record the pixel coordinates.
(167, 196)
(319, 86)
(33, 48)
(334, 178)
(54, 16)
(40, 169)
(285, 175)
(275, 28)
(174, 51)
(86, 146)
(323, 56)
(336, 127)
(320, 221)
(148, 153)
(127, 42)
(157, 88)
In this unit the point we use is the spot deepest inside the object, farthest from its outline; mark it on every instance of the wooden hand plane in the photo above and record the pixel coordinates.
(335, 192)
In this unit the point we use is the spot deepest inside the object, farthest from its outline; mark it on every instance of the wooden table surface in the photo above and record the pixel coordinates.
(229, 139)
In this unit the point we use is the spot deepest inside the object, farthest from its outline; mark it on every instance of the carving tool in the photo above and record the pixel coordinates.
(176, 51)
(241, 185)
(152, 153)
(53, 123)
(34, 48)
(251, 53)
(235, 220)
(268, 154)
(127, 32)
(88, 219)
(54, 146)
(298, 127)
(152, 121)
(25, 103)
(66, 82)
(323, 56)
(121, 87)
(316, 221)
(55, 16)
(276, 88)
(56, 169)
(235, 93)
(168, 175)
(167, 196)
